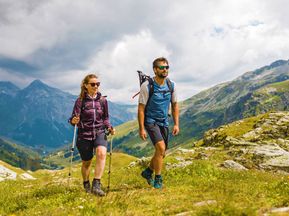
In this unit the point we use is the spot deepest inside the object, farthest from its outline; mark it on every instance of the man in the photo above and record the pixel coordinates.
(153, 117)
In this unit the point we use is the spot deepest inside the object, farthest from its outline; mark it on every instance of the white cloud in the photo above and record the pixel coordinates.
(116, 64)
(18, 79)
(206, 42)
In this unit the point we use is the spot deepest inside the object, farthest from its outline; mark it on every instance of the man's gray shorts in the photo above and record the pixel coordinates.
(158, 133)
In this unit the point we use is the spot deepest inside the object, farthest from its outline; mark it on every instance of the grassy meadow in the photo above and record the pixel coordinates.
(201, 188)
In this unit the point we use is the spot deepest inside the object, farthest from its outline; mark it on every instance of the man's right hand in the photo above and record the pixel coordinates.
(142, 134)
(75, 120)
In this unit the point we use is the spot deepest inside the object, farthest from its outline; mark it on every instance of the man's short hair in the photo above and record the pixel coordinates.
(160, 59)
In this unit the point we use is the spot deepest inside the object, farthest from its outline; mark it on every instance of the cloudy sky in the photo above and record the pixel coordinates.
(206, 41)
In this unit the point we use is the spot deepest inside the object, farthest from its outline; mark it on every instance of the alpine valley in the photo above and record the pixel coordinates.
(37, 116)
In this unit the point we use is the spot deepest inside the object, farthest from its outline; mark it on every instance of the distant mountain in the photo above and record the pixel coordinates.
(37, 115)
(256, 92)
(8, 88)
(253, 93)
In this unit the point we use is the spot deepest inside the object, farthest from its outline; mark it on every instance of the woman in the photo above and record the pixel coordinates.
(90, 113)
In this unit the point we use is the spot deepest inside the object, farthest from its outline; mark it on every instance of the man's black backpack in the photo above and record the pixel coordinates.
(143, 77)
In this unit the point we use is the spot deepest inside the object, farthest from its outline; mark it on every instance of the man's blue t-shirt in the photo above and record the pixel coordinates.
(157, 107)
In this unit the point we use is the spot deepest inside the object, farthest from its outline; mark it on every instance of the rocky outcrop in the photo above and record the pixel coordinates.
(8, 174)
(265, 144)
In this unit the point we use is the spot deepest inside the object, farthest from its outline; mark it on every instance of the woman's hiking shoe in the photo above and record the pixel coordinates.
(158, 183)
(96, 188)
(86, 186)
(148, 175)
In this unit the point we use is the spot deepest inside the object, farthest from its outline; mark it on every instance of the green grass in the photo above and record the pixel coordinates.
(19, 156)
(239, 128)
(280, 86)
(235, 193)
(125, 128)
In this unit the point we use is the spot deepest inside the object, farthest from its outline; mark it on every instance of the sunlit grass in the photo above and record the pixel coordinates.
(233, 192)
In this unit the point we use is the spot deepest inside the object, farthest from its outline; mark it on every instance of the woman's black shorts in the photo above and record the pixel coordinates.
(86, 147)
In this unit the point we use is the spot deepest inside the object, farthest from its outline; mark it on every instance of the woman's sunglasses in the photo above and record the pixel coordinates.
(94, 84)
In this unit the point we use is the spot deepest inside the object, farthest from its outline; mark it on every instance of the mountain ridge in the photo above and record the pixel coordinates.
(38, 114)
(221, 104)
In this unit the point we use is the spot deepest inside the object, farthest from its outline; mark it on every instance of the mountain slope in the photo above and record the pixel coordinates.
(234, 100)
(19, 156)
(8, 88)
(253, 93)
(37, 115)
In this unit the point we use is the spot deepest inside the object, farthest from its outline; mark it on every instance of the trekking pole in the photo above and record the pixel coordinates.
(109, 164)
(72, 151)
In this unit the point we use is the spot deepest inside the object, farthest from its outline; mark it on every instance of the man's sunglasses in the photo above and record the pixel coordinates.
(163, 67)
(94, 84)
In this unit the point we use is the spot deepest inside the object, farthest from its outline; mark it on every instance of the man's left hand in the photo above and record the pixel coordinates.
(176, 130)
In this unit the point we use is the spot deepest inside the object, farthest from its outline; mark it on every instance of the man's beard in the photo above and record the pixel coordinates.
(162, 75)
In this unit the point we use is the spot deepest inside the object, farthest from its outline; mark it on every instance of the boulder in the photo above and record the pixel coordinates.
(230, 164)
(6, 174)
(268, 151)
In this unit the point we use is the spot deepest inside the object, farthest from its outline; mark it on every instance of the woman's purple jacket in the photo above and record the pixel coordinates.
(94, 117)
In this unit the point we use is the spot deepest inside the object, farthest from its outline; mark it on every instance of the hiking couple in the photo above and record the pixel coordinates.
(91, 115)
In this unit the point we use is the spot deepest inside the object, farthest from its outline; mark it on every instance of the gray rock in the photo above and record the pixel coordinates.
(202, 156)
(6, 174)
(185, 151)
(184, 213)
(206, 202)
(132, 164)
(268, 151)
(182, 164)
(238, 142)
(142, 162)
(26, 176)
(280, 210)
(179, 158)
(283, 143)
(281, 162)
(230, 164)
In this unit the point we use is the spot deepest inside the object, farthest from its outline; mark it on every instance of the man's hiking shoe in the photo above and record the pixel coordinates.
(86, 186)
(158, 184)
(147, 174)
(96, 188)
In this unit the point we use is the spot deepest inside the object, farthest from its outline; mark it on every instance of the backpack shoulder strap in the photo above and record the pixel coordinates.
(171, 88)
(170, 85)
(151, 88)
(82, 105)
(151, 91)
(102, 100)
(83, 101)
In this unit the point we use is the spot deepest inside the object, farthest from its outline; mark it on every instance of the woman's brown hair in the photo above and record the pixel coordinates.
(85, 81)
